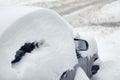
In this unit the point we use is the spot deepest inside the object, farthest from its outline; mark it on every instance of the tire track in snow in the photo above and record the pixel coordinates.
(107, 24)
(77, 5)
(64, 8)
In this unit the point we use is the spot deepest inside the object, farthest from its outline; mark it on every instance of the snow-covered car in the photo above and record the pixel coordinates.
(87, 54)
(37, 43)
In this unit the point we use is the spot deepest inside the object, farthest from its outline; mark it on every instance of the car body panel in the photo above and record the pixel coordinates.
(88, 56)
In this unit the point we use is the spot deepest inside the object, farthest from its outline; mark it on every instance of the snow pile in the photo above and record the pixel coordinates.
(108, 42)
(109, 13)
(48, 62)
(109, 54)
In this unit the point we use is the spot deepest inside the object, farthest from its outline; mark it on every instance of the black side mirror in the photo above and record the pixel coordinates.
(81, 45)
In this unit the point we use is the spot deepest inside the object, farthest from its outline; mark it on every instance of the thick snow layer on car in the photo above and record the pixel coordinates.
(8, 15)
(50, 60)
(92, 47)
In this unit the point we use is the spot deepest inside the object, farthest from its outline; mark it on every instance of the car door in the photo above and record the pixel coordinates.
(88, 55)
(81, 49)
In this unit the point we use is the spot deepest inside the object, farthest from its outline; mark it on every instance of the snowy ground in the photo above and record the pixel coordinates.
(96, 18)
(103, 23)
(19, 2)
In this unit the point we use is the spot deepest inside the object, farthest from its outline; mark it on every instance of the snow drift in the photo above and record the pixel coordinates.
(25, 24)
(109, 13)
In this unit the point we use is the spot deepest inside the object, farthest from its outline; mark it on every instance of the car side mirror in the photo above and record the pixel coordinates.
(82, 45)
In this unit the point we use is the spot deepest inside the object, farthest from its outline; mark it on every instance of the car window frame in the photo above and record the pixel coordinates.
(87, 45)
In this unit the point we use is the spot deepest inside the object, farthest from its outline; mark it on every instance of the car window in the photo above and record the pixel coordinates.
(81, 45)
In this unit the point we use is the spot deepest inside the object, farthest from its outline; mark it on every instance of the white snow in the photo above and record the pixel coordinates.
(12, 16)
(107, 38)
(108, 41)
(108, 13)
(80, 75)
(50, 60)
(109, 53)
(19, 2)
(92, 47)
